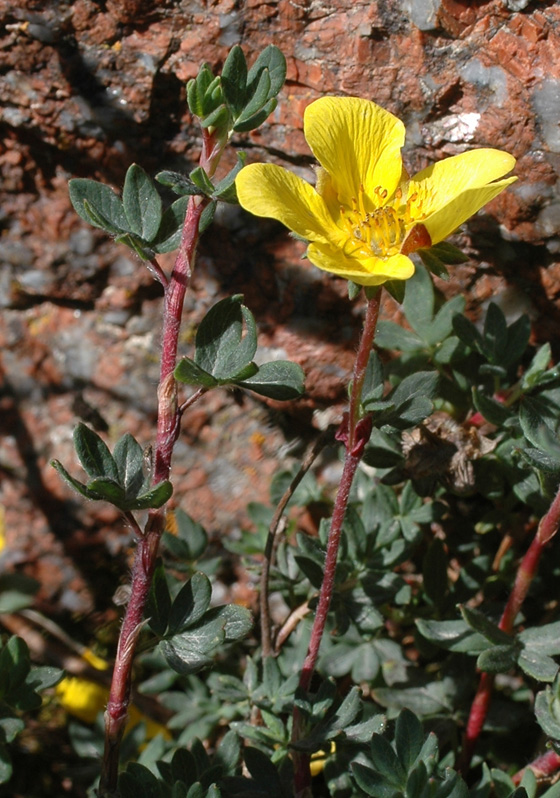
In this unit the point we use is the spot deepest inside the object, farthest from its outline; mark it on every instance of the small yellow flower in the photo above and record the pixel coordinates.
(366, 215)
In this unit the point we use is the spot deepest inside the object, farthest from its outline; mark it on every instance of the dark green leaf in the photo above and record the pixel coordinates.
(159, 602)
(271, 59)
(153, 498)
(396, 288)
(171, 228)
(207, 217)
(221, 349)
(190, 540)
(372, 783)
(142, 203)
(433, 263)
(199, 177)
(109, 490)
(392, 336)
(434, 570)
(418, 305)
(178, 183)
(498, 659)
(188, 372)
(386, 762)
(190, 604)
(537, 665)
(409, 738)
(225, 189)
(259, 98)
(448, 253)
(79, 487)
(94, 455)
(251, 123)
(234, 80)
(480, 623)
(453, 636)
(129, 457)
(279, 379)
(495, 334)
(493, 411)
(98, 205)
(518, 335)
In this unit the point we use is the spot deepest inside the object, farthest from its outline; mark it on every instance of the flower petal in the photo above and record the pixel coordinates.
(370, 271)
(358, 143)
(443, 222)
(442, 182)
(268, 190)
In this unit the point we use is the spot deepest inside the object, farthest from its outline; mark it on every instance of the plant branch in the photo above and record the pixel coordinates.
(355, 432)
(266, 633)
(526, 572)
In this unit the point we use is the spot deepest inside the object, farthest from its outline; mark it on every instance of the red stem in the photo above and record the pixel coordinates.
(542, 766)
(357, 435)
(526, 572)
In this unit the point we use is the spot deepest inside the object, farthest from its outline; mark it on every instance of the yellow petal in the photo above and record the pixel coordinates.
(358, 143)
(443, 222)
(366, 271)
(268, 190)
(442, 182)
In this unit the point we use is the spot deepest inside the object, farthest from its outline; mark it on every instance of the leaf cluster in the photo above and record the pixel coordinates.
(225, 347)
(117, 478)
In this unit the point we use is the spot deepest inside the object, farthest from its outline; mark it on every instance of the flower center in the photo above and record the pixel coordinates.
(381, 230)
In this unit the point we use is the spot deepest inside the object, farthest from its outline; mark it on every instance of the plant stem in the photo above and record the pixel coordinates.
(266, 632)
(356, 435)
(526, 572)
(168, 423)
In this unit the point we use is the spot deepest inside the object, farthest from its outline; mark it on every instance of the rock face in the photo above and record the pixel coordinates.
(88, 87)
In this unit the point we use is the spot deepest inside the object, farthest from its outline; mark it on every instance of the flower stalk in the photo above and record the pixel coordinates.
(547, 529)
(355, 433)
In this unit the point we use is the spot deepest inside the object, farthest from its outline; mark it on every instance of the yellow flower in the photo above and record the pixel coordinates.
(366, 215)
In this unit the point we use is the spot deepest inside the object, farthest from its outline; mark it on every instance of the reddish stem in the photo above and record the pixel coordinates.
(168, 422)
(356, 436)
(526, 572)
(543, 766)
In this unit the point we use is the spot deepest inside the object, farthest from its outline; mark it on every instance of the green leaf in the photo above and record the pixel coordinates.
(397, 289)
(370, 782)
(493, 411)
(98, 205)
(207, 217)
(107, 489)
(547, 710)
(433, 263)
(171, 228)
(199, 177)
(392, 336)
(234, 80)
(188, 372)
(280, 379)
(448, 253)
(225, 189)
(153, 498)
(191, 540)
(94, 455)
(409, 738)
(79, 487)
(129, 458)
(434, 569)
(159, 602)
(142, 203)
(419, 298)
(498, 659)
(259, 98)
(251, 123)
(442, 325)
(271, 59)
(537, 665)
(495, 334)
(179, 183)
(453, 636)
(518, 335)
(480, 623)
(386, 762)
(199, 91)
(221, 348)
(190, 604)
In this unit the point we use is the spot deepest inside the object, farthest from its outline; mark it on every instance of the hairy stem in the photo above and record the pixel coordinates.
(168, 422)
(526, 572)
(356, 436)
